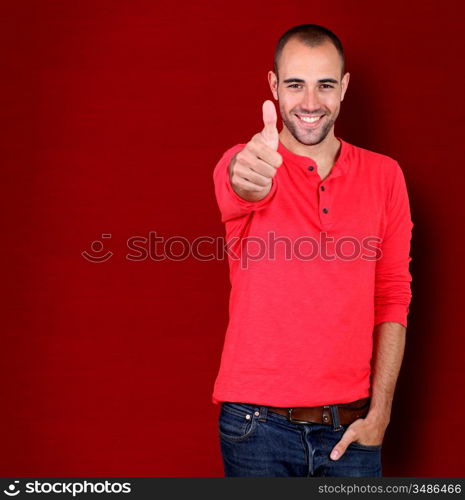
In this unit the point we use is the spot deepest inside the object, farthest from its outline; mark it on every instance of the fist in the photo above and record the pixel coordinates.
(252, 169)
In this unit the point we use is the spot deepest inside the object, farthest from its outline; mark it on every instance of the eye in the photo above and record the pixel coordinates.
(326, 86)
(294, 85)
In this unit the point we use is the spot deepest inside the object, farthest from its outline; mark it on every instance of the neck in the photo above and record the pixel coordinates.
(324, 153)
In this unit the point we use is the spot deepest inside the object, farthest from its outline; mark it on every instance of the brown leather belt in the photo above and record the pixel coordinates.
(348, 413)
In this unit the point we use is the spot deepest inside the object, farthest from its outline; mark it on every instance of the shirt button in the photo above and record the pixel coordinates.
(325, 210)
(311, 168)
(322, 188)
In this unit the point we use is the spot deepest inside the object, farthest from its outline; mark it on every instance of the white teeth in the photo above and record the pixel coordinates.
(310, 119)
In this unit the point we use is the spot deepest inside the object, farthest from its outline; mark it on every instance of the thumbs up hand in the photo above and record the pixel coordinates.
(252, 169)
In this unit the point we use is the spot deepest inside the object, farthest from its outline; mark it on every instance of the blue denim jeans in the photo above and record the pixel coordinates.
(256, 442)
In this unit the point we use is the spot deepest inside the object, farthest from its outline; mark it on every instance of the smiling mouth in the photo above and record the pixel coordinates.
(310, 119)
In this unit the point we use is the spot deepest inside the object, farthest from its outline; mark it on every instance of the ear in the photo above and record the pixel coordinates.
(344, 85)
(273, 81)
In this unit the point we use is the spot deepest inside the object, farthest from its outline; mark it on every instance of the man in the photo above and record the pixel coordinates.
(319, 235)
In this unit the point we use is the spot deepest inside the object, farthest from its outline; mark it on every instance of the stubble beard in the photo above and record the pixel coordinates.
(310, 138)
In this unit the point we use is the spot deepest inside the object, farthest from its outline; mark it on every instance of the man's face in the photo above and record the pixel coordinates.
(310, 89)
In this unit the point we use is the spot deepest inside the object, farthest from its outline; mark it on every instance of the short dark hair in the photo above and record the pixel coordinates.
(311, 35)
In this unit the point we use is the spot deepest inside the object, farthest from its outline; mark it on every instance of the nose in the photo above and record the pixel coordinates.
(310, 100)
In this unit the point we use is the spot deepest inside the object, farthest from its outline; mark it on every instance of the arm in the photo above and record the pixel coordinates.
(392, 300)
(388, 352)
(391, 304)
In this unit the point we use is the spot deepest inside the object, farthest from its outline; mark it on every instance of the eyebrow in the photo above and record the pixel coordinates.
(299, 80)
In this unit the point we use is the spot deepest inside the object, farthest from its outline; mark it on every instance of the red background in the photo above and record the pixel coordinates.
(113, 115)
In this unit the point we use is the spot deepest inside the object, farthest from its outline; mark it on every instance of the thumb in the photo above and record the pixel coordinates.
(270, 132)
(340, 448)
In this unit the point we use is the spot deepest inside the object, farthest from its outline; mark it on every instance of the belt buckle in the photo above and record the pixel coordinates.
(294, 420)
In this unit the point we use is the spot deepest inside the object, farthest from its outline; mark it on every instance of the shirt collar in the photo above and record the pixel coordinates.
(340, 166)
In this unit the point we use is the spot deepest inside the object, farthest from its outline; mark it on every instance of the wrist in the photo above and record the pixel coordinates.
(380, 418)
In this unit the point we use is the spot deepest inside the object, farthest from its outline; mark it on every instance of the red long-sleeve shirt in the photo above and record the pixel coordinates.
(314, 266)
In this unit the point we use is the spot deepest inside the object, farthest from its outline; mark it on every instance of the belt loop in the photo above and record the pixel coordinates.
(335, 416)
(263, 413)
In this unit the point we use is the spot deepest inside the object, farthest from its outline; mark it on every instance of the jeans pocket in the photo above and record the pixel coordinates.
(367, 447)
(236, 422)
(359, 446)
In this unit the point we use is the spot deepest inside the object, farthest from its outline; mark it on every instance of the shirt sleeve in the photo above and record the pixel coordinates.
(231, 205)
(392, 287)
